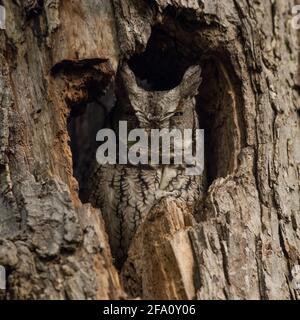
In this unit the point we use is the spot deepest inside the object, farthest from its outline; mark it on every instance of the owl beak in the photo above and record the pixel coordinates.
(154, 122)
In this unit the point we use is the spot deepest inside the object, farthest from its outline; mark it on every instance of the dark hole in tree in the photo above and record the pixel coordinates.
(217, 115)
(161, 66)
(84, 121)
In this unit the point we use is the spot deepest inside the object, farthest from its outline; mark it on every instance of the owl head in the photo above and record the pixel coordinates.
(158, 109)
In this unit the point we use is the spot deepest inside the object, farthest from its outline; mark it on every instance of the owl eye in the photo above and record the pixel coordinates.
(178, 114)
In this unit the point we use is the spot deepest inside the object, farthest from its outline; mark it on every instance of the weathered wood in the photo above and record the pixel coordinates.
(54, 247)
(243, 243)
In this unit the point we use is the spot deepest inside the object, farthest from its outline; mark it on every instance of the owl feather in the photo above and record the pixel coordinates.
(125, 193)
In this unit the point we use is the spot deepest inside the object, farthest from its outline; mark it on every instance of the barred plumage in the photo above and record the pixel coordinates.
(126, 193)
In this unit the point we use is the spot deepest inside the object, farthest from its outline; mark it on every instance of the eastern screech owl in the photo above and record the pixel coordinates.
(126, 193)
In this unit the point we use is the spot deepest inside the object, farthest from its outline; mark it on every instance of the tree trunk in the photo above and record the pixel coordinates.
(58, 58)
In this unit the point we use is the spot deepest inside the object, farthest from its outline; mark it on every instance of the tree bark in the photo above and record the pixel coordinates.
(245, 239)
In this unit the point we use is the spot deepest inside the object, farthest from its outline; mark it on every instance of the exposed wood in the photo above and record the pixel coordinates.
(245, 239)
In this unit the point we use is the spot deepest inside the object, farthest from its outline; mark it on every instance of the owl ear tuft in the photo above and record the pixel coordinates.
(191, 81)
(128, 89)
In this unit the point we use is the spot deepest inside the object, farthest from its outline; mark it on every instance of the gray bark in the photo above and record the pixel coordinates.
(245, 240)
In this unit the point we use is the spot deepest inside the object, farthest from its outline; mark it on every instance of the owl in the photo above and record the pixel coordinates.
(126, 193)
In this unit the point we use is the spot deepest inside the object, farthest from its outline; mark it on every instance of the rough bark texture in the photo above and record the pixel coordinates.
(245, 240)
